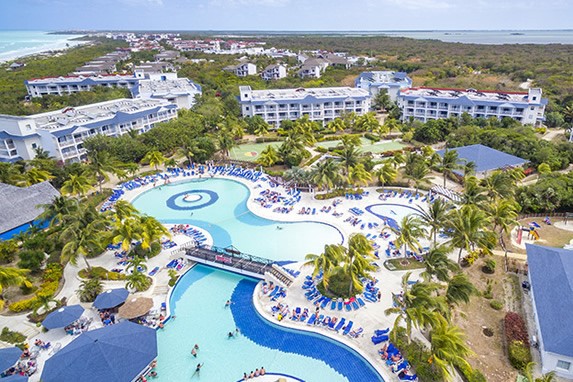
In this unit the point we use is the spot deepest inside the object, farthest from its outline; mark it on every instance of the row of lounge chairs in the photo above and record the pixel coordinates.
(392, 357)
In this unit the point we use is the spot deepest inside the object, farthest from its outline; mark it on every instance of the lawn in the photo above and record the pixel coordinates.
(367, 146)
(250, 151)
(549, 235)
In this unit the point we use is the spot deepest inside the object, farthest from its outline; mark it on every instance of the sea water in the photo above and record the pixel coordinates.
(14, 44)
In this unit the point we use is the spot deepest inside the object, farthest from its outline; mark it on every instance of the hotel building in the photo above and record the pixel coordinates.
(274, 72)
(424, 104)
(63, 132)
(393, 82)
(39, 87)
(319, 104)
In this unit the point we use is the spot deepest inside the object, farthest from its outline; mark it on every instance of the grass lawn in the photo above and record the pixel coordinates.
(549, 235)
(367, 146)
(402, 264)
(250, 151)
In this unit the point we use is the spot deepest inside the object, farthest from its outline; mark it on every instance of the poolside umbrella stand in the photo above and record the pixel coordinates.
(9, 357)
(115, 353)
(63, 317)
(135, 307)
(111, 298)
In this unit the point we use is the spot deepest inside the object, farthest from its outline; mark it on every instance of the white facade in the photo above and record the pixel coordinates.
(319, 104)
(313, 68)
(274, 72)
(392, 82)
(73, 84)
(178, 91)
(424, 104)
(63, 132)
(243, 69)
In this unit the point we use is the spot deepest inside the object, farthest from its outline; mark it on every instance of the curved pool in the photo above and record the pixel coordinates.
(220, 207)
(198, 302)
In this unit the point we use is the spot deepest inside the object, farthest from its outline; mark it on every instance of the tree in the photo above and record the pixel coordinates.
(411, 230)
(137, 281)
(100, 165)
(137, 264)
(326, 174)
(544, 169)
(89, 289)
(549, 377)
(448, 347)
(126, 232)
(326, 262)
(459, 290)
(57, 211)
(154, 158)
(500, 184)
(435, 216)
(151, 231)
(382, 100)
(337, 124)
(269, 156)
(386, 173)
(225, 142)
(467, 229)
(449, 163)
(359, 176)
(78, 185)
(33, 176)
(438, 265)
(358, 262)
(473, 192)
(367, 122)
(12, 277)
(350, 156)
(416, 169)
(122, 209)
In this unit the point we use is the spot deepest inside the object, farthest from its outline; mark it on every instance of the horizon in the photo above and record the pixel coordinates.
(286, 30)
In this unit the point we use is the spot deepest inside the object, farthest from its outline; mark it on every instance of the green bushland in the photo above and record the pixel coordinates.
(12, 337)
(49, 286)
(100, 273)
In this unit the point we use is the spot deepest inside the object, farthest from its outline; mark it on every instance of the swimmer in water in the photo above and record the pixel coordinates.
(279, 228)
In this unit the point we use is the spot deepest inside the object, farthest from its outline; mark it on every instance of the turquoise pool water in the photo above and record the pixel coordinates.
(219, 206)
(201, 318)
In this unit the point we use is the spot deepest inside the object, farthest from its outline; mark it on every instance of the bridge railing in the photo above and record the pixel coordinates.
(239, 261)
(237, 254)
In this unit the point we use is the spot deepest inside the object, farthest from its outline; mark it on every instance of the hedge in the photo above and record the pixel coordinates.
(519, 354)
(268, 139)
(469, 374)
(337, 137)
(51, 281)
(337, 193)
(101, 273)
(372, 137)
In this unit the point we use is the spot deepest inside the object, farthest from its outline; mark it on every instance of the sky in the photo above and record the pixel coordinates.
(292, 15)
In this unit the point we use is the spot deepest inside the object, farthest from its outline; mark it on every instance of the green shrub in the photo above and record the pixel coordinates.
(320, 149)
(275, 173)
(372, 137)
(489, 266)
(312, 160)
(100, 273)
(497, 305)
(488, 293)
(53, 272)
(418, 355)
(11, 337)
(519, 355)
(268, 139)
(22, 305)
(336, 193)
(470, 374)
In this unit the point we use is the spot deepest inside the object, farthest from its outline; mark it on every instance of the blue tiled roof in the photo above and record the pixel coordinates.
(551, 275)
(485, 158)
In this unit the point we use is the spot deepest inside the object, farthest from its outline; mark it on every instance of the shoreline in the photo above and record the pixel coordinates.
(48, 47)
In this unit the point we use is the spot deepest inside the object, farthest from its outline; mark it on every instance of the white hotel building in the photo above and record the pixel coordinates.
(319, 104)
(424, 104)
(39, 87)
(63, 132)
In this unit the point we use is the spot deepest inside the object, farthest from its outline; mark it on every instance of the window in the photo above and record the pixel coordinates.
(34, 146)
(563, 365)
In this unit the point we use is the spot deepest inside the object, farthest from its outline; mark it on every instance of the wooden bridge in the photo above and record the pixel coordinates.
(233, 260)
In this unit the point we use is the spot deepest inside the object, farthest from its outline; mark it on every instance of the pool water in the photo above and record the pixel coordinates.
(198, 302)
(219, 206)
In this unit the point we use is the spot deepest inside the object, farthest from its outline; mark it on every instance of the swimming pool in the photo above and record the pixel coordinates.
(220, 207)
(198, 303)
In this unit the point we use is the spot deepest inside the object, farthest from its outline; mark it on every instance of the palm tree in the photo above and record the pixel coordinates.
(467, 229)
(337, 124)
(391, 124)
(411, 230)
(43, 302)
(469, 169)
(262, 128)
(448, 347)
(326, 262)
(100, 165)
(78, 185)
(503, 214)
(358, 262)
(269, 156)
(60, 208)
(459, 290)
(438, 265)
(350, 156)
(137, 281)
(297, 176)
(386, 173)
(548, 377)
(226, 142)
(89, 289)
(435, 216)
(12, 277)
(154, 158)
(398, 158)
(416, 306)
(473, 192)
(499, 184)
(124, 210)
(449, 163)
(151, 231)
(326, 174)
(137, 264)
(416, 169)
(83, 241)
(359, 176)
(125, 232)
(367, 122)
(33, 176)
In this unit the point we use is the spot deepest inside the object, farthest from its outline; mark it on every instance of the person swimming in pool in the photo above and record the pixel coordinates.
(279, 227)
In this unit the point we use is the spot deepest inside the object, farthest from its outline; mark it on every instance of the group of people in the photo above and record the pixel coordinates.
(107, 317)
(24, 368)
(254, 374)
(79, 326)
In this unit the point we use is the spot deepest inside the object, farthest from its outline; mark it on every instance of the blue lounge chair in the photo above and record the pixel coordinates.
(274, 291)
(340, 324)
(153, 271)
(340, 305)
(311, 319)
(381, 332)
(348, 307)
(409, 377)
(333, 305)
(348, 328)
(361, 301)
(324, 303)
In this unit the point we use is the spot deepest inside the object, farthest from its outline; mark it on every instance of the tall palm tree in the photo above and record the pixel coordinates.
(151, 231)
(337, 124)
(78, 185)
(60, 208)
(137, 264)
(269, 156)
(126, 232)
(367, 122)
(84, 235)
(350, 156)
(398, 158)
(410, 233)
(459, 290)
(392, 124)
(473, 192)
(33, 176)
(448, 347)
(438, 265)
(154, 158)
(416, 169)
(503, 214)
(359, 176)
(326, 262)
(467, 228)
(137, 281)
(499, 184)
(261, 128)
(297, 176)
(123, 209)
(449, 163)
(100, 165)
(12, 277)
(326, 174)
(416, 306)
(386, 173)
(548, 377)
(358, 261)
(435, 216)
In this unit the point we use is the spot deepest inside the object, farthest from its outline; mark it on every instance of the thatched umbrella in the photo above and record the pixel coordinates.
(135, 307)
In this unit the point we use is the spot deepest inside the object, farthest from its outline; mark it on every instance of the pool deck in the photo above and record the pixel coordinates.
(371, 317)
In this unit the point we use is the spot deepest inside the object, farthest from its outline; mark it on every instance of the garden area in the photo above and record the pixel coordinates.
(367, 145)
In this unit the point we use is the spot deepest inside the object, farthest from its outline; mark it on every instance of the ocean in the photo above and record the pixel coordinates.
(14, 44)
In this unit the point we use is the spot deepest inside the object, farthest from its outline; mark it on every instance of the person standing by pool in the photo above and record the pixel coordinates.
(197, 369)
(228, 304)
(194, 352)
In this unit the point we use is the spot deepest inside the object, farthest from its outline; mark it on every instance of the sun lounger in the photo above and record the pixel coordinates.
(324, 303)
(379, 339)
(409, 377)
(361, 302)
(274, 291)
(153, 271)
(381, 332)
(311, 319)
(348, 328)
(340, 324)
(355, 305)
(333, 305)
(347, 307)
(340, 303)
